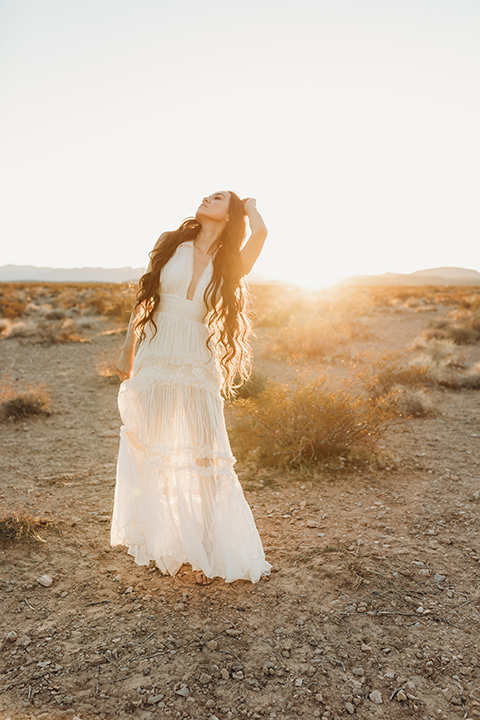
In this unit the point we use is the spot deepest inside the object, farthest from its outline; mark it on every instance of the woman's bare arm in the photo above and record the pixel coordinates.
(253, 247)
(127, 356)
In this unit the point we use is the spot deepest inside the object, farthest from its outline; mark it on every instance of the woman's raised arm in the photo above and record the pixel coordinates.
(253, 247)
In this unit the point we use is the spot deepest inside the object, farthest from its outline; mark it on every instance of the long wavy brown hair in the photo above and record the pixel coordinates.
(227, 302)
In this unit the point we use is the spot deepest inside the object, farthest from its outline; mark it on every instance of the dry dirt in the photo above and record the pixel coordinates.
(373, 607)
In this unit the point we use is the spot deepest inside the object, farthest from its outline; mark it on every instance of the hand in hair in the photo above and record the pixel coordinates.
(249, 203)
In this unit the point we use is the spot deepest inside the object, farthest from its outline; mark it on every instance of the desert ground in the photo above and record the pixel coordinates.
(373, 605)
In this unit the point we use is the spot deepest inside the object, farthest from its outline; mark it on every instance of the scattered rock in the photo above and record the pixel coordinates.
(438, 578)
(154, 699)
(204, 678)
(224, 674)
(232, 632)
(179, 606)
(312, 524)
(358, 671)
(376, 697)
(12, 636)
(183, 692)
(349, 708)
(400, 696)
(45, 580)
(212, 644)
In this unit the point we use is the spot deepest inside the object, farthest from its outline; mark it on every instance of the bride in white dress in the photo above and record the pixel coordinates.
(177, 497)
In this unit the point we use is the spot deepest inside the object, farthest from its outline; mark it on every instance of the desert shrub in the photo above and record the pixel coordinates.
(438, 350)
(410, 402)
(393, 370)
(307, 425)
(59, 332)
(469, 380)
(21, 524)
(11, 306)
(17, 404)
(462, 328)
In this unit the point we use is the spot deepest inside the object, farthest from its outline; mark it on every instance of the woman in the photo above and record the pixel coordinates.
(177, 497)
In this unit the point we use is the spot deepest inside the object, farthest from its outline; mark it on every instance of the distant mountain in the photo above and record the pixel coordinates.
(30, 273)
(431, 276)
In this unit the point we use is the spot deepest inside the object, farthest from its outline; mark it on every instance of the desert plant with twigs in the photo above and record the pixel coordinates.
(309, 424)
(18, 404)
(392, 370)
(21, 524)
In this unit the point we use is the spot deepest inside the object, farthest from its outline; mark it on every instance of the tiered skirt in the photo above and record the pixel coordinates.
(177, 497)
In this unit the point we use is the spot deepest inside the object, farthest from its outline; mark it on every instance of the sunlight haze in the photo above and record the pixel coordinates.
(353, 124)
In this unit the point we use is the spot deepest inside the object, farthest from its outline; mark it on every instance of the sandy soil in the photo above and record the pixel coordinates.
(373, 607)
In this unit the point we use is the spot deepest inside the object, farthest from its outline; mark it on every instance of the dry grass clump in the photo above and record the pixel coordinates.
(19, 404)
(462, 328)
(411, 402)
(55, 301)
(308, 425)
(60, 332)
(390, 371)
(11, 305)
(20, 524)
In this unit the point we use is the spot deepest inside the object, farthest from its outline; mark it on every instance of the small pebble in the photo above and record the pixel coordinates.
(45, 580)
(12, 636)
(376, 697)
(154, 699)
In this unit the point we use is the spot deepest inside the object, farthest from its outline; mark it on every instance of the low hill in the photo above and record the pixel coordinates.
(431, 276)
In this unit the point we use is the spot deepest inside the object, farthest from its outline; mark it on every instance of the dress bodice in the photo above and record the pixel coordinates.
(176, 275)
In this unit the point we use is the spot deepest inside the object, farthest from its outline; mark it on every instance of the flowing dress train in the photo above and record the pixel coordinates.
(177, 497)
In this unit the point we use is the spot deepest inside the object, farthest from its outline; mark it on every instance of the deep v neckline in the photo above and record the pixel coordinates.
(192, 267)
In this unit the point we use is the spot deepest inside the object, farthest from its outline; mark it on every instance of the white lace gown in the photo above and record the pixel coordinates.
(177, 497)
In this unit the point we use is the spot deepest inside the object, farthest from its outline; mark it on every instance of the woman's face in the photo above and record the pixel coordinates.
(214, 207)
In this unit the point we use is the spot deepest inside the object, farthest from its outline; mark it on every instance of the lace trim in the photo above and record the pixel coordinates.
(179, 381)
(196, 366)
(166, 456)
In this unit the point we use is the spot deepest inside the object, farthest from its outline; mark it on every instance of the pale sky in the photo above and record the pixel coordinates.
(354, 123)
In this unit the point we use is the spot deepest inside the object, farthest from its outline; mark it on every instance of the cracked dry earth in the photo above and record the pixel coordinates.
(372, 610)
